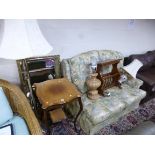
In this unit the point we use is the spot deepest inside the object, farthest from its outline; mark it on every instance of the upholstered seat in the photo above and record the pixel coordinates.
(98, 113)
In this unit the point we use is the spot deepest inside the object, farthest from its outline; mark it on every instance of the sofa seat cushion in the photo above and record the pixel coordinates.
(5, 109)
(19, 125)
(104, 108)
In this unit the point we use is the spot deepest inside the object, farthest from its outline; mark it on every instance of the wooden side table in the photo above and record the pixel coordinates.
(54, 94)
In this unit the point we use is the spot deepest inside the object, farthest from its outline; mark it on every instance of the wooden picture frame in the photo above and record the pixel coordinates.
(36, 69)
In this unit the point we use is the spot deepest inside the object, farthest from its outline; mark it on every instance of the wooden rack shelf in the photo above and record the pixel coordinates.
(110, 79)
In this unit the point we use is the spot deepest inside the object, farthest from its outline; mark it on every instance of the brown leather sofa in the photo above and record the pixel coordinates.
(146, 73)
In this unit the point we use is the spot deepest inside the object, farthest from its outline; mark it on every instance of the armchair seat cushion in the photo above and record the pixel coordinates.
(19, 125)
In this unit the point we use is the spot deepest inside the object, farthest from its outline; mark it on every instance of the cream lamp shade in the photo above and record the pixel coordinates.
(133, 67)
(19, 39)
(22, 39)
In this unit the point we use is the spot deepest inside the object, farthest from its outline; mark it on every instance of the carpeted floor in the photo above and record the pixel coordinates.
(124, 124)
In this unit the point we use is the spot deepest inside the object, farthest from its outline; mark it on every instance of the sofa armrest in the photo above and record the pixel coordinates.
(135, 83)
(132, 82)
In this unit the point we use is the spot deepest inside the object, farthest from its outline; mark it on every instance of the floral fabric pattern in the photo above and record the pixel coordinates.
(79, 69)
(66, 69)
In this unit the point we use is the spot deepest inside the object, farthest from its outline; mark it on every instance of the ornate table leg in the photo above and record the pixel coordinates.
(81, 108)
(45, 119)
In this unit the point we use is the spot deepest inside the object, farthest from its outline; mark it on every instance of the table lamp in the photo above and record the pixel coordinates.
(20, 39)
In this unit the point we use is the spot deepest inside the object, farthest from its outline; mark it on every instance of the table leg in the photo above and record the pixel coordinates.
(45, 119)
(81, 108)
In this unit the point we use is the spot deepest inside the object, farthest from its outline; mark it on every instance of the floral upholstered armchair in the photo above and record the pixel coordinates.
(105, 110)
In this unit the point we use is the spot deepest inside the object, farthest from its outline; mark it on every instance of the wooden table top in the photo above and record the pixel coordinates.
(56, 91)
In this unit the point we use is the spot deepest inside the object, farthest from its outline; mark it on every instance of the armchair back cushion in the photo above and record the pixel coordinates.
(77, 68)
(5, 109)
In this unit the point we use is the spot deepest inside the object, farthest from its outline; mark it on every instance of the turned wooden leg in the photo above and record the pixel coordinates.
(45, 119)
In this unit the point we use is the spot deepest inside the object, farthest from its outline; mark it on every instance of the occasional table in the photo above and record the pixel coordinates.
(53, 95)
